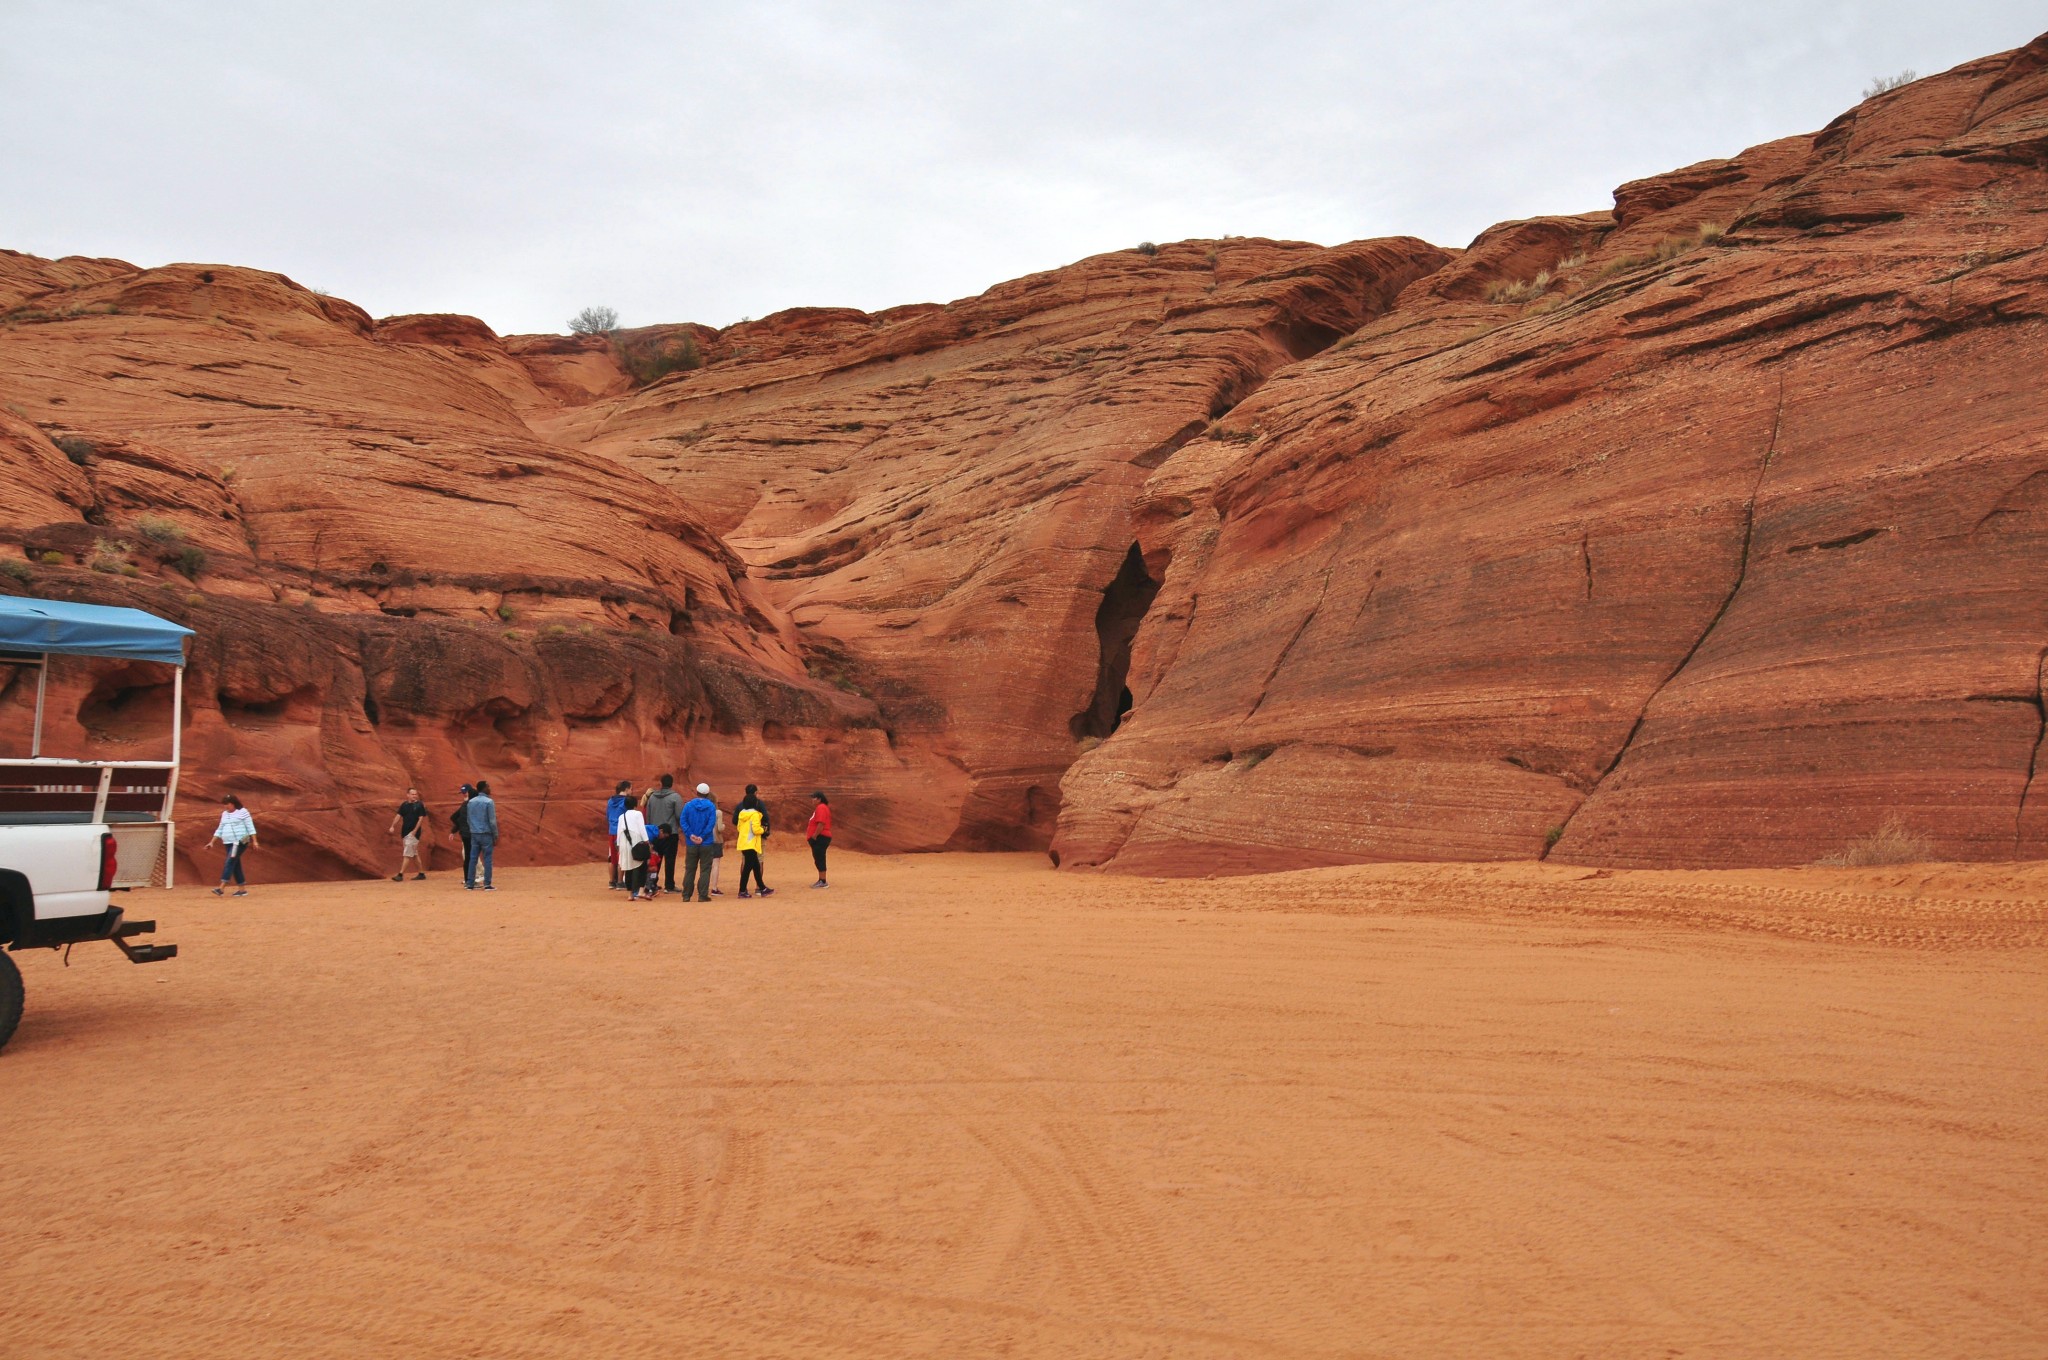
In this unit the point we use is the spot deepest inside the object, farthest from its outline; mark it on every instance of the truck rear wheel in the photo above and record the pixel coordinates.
(10, 999)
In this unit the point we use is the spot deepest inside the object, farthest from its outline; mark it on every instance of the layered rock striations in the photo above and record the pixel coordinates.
(1700, 531)
(393, 579)
(939, 499)
(1707, 532)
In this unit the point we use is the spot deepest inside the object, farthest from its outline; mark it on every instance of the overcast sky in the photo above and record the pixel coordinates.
(682, 161)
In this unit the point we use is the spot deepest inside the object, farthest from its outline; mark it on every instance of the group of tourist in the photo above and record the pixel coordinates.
(650, 832)
(647, 835)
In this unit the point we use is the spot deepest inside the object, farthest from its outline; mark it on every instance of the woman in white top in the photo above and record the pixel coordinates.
(236, 833)
(632, 832)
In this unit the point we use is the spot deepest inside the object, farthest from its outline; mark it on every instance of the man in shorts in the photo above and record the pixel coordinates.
(406, 825)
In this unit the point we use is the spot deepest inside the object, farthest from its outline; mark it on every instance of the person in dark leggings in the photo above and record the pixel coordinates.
(818, 831)
(750, 824)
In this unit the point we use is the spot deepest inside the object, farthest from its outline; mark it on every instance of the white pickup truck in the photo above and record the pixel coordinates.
(74, 832)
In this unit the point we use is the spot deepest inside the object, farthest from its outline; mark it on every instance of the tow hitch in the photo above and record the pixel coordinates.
(140, 953)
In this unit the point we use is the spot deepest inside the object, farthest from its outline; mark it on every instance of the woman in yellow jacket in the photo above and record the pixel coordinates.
(750, 822)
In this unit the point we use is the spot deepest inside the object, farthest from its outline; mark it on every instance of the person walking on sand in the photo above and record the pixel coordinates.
(236, 834)
(632, 847)
(613, 808)
(483, 835)
(818, 831)
(406, 826)
(700, 830)
(664, 813)
(750, 827)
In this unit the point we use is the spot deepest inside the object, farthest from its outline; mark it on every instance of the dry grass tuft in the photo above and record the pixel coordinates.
(1523, 290)
(1891, 843)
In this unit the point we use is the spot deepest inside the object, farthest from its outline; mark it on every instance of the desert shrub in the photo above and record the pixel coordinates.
(1886, 84)
(16, 570)
(191, 560)
(195, 599)
(1148, 248)
(157, 529)
(76, 447)
(53, 558)
(1891, 843)
(108, 555)
(506, 613)
(1553, 836)
(594, 321)
(647, 368)
(130, 569)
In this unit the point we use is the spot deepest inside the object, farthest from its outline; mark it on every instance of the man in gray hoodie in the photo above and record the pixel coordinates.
(664, 813)
(483, 836)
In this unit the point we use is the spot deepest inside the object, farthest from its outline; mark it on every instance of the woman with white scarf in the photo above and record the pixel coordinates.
(633, 833)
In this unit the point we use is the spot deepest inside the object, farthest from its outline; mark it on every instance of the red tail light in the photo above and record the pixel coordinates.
(110, 860)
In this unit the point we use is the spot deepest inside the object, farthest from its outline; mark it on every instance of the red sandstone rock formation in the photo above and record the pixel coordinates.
(394, 580)
(1608, 536)
(1722, 548)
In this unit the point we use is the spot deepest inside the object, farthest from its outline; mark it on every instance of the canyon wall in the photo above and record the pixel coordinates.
(1708, 531)
(1701, 531)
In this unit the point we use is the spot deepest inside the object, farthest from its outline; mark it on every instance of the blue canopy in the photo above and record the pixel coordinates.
(89, 630)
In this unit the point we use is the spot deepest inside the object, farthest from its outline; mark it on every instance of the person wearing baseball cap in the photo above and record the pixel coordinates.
(700, 834)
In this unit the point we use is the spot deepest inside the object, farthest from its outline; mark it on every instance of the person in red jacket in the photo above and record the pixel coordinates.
(818, 831)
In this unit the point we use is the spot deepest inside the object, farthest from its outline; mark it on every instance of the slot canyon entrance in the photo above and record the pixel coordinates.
(1123, 607)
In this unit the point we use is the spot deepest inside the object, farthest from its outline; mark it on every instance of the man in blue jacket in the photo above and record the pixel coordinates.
(483, 837)
(700, 828)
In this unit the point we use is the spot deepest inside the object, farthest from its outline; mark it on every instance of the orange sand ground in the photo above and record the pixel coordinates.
(962, 1105)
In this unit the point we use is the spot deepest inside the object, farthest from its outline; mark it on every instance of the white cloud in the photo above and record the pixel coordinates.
(519, 160)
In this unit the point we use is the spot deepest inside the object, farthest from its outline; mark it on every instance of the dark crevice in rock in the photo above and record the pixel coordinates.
(1123, 608)
(1845, 541)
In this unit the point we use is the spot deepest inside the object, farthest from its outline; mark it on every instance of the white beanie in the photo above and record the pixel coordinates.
(703, 788)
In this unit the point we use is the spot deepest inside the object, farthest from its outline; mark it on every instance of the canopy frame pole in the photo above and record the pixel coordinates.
(35, 745)
(177, 733)
(171, 784)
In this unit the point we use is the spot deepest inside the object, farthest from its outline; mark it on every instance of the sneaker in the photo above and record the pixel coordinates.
(703, 899)
(241, 892)
(469, 887)
(419, 878)
(489, 888)
(745, 894)
(218, 891)
(766, 892)
(819, 884)
(718, 892)
(398, 878)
